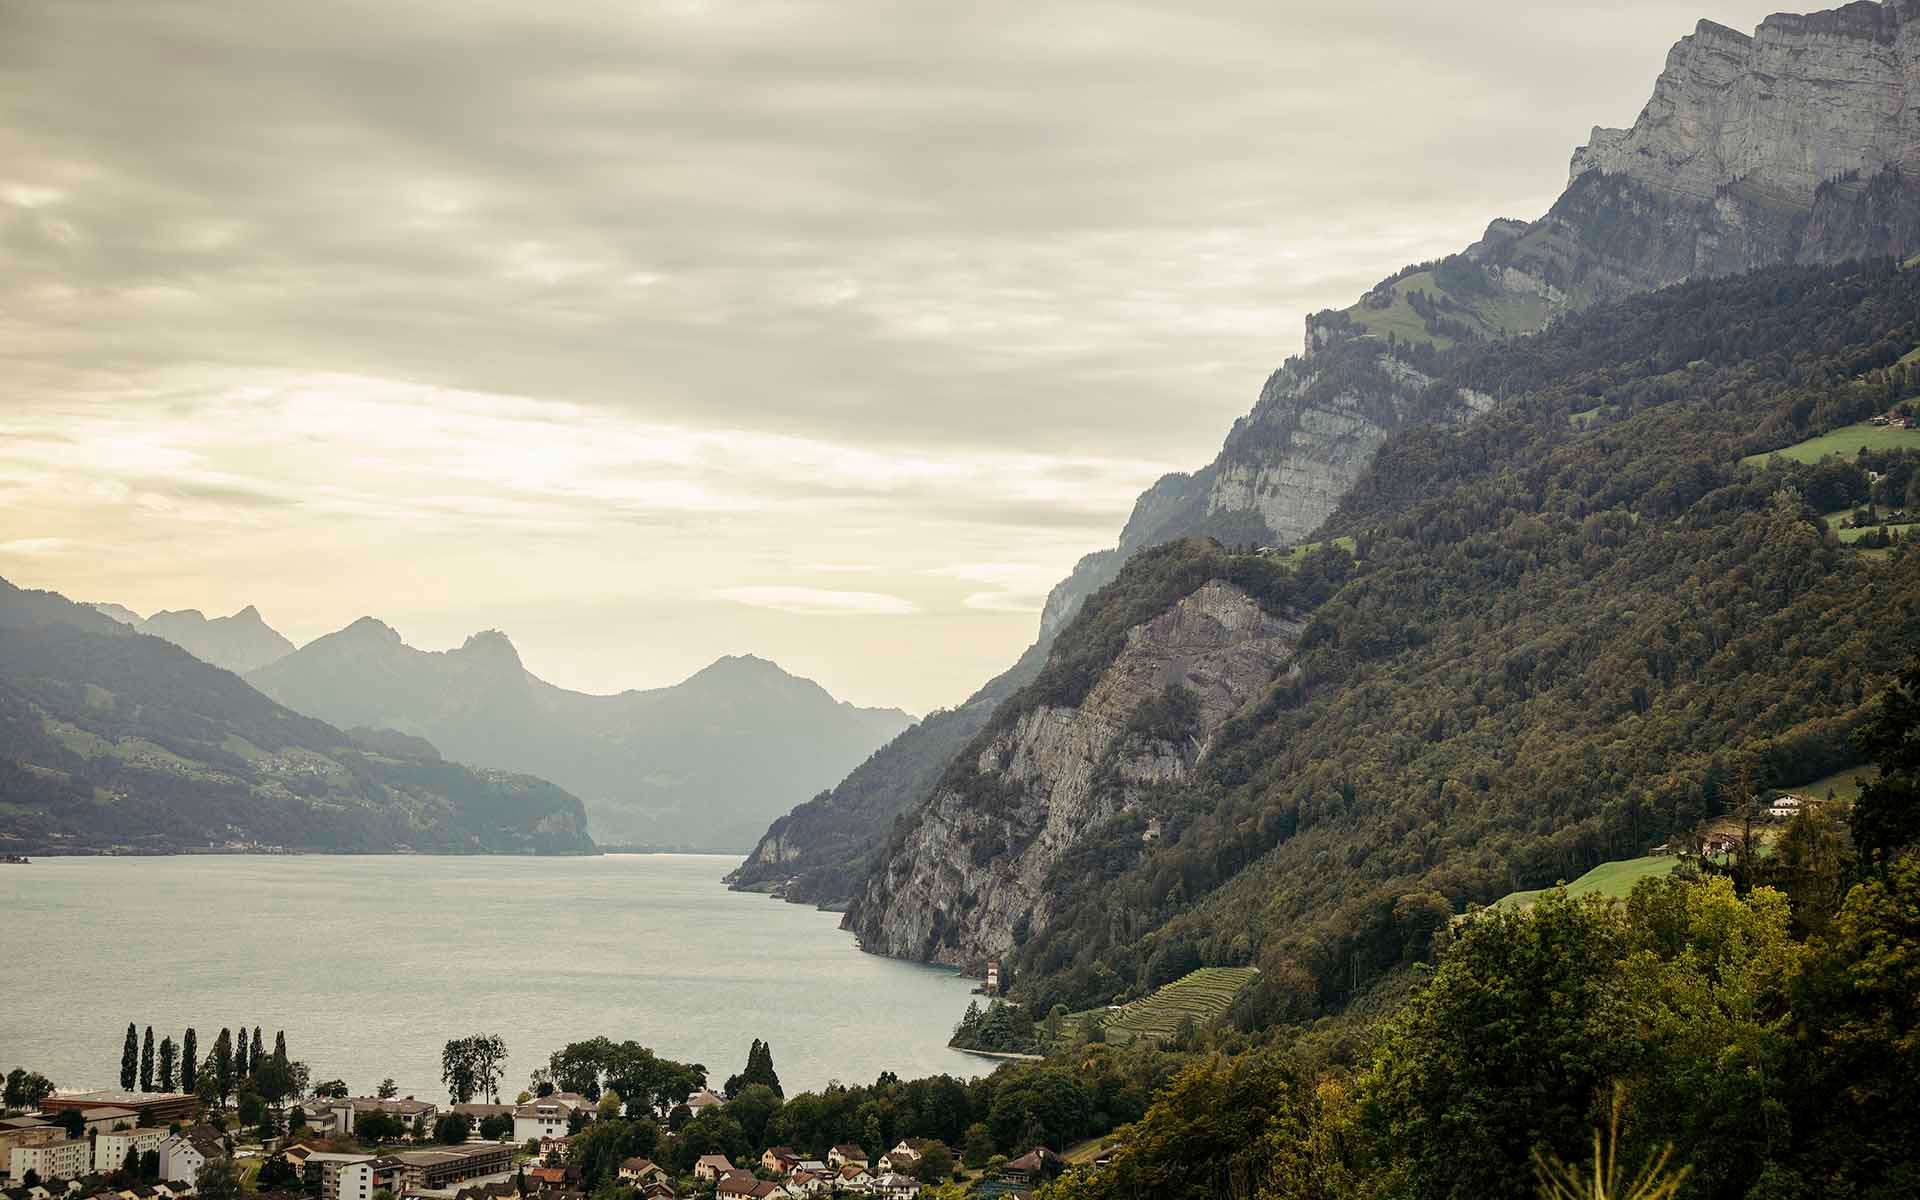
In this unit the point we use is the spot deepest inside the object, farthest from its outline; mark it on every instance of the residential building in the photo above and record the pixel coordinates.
(321, 1170)
(780, 1159)
(896, 1186)
(407, 1111)
(846, 1153)
(548, 1116)
(52, 1160)
(182, 1155)
(25, 1131)
(157, 1108)
(109, 1117)
(853, 1178)
(709, 1167)
(643, 1170)
(110, 1148)
(1034, 1167)
(741, 1185)
(434, 1170)
(657, 1189)
(703, 1100)
(355, 1181)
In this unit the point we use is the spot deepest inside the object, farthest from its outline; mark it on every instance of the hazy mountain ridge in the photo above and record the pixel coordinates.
(703, 764)
(114, 739)
(239, 643)
(1714, 177)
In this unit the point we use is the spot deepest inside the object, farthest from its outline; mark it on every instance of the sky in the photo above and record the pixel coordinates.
(651, 332)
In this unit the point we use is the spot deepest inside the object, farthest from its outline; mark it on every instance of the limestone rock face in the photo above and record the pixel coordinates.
(974, 864)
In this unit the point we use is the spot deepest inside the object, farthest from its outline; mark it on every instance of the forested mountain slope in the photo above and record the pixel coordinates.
(1554, 643)
(703, 765)
(113, 739)
(1786, 146)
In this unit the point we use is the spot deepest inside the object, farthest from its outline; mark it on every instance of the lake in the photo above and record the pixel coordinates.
(370, 963)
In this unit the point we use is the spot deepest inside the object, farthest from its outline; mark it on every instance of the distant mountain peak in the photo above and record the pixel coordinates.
(372, 629)
(492, 646)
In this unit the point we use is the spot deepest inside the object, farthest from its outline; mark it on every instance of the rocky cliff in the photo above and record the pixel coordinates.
(968, 875)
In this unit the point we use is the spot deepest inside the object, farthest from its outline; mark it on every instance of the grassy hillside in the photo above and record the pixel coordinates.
(1844, 443)
(1439, 304)
(1614, 880)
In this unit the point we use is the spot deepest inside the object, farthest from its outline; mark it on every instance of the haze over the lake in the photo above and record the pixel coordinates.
(649, 333)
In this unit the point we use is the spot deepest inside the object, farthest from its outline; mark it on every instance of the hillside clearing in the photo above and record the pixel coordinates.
(1613, 879)
(1843, 442)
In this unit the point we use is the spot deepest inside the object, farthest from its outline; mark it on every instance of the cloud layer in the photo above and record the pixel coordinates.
(570, 318)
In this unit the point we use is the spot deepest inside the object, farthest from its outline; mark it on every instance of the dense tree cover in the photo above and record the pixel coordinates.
(999, 1026)
(647, 1084)
(25, 1089)
(759, 1071)
(1551, 646)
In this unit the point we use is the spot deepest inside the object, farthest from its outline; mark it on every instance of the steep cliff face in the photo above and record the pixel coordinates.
(971, 871)
(1799, 143)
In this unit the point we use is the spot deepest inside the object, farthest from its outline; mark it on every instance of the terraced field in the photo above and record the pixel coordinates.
(1205, 995)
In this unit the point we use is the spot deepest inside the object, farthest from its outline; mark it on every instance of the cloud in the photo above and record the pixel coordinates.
(813, 602)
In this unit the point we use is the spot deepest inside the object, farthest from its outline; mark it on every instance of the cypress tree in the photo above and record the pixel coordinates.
(280, 1047)
(189, 1065)
(223, 1063)
(166, 1064)
(240, 1054)
(146, 1062)
(130, 1059)
(253, 1055)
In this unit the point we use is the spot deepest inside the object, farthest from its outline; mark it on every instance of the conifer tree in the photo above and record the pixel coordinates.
(189, 1065)
(146, 1062)
(223, 1063)
(130, 1059)
(280, 1047)
(240, 1054)
(253, 1055)
(166, 1064)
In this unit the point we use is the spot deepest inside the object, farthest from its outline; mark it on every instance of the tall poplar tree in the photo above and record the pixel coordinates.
(253, 1055)
(223, 1063)
(240, 1053)
(166, 1063)
(189, 1064)
(146, 1062)
(130, 1059)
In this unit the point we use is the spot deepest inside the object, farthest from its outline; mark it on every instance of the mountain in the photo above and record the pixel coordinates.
(704, 764)
(113, 739)
(1584, 623)
(1781, 147)
(239, 643)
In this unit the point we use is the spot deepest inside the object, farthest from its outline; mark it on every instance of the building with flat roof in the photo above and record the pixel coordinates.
(110, 1148)
(156, 1108)
(54, 1160)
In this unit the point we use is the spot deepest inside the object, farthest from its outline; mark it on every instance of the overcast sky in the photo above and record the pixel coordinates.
(648, 332)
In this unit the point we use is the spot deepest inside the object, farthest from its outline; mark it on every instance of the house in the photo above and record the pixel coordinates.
(741, 1185)
(703, 1100)
(52, 1160)
(709, 1167)
(1034, 1167)
(548, 1116)
(182, 1155)
(846, 1153)
(1153, 830)
(560, 1144)
(780, 1159)
(853, 1178)
(110, 1149)
(658, 1189)
(896, 1186)
(813, 1166)
(807, 1183)
(643, 1170)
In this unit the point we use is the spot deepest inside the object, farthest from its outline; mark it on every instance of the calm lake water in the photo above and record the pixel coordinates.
(371, 963)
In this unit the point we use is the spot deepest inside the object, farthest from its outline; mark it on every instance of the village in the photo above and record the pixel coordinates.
(124, 1145)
